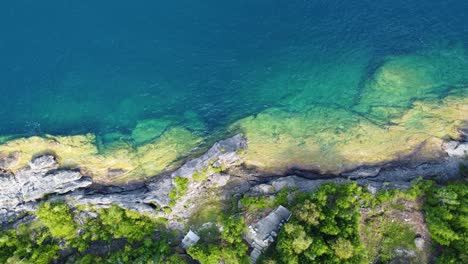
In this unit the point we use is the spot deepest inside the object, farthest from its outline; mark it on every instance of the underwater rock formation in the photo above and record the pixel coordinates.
(85, 153)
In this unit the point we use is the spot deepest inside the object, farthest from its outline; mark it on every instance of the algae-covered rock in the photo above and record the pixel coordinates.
(149, 129)
(9, 161)
(71, 149)
(194, 121)
(331, 141)
(165, 152)
(81, 152)
(402, 79)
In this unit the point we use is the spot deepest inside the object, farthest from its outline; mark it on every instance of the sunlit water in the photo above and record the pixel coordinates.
(75, 67)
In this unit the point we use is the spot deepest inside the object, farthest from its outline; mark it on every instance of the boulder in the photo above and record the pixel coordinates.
(456, 149)
(419, 243)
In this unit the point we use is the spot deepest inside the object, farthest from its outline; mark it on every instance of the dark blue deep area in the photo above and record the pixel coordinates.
(70, 67)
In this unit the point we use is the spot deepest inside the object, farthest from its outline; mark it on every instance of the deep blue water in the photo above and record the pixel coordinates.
(72, 67)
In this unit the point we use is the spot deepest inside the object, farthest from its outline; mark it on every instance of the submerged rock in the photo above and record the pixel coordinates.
(9, 161)
(149, 129)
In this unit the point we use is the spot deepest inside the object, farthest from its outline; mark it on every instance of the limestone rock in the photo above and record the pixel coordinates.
(262, 189)
(153, 195)
(219, 179)
(362, 172)
(10, 194)
(36, 180)
(9, 161)
(419, 243)
(223, 153)
(158, 191)
(456, 149)
(129, 200)
(372, 189)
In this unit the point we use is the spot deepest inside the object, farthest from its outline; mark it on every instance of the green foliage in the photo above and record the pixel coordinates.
(228, 247)
(58, 218)
(233, 227)
(27, 245)
(204, 173)
(394, 236)
(124, 223)
(200, 175)
(256, 203)
(181, 188)
(447, 218)
(343, 248)
(209, 254)
(40, 241)
(282, 197)
(324, 227)
(240, 152)
(383, 235)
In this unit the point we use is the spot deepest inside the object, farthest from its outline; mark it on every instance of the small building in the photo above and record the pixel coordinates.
(190, 239)
(264, 232)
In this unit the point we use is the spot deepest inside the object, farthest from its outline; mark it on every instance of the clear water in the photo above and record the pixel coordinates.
(73, 67)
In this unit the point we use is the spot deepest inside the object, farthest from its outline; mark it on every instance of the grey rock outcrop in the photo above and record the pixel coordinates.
(363, 172)
(456, 149)
(154, 195)
(20, 192)
(35, 181)
(223, 153)
(388, 176)
(130, 200)
(41, 177)
(10, 191)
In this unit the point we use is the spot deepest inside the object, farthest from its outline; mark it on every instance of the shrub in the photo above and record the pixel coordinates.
(324, 227)
(181, 188)
(58, 218)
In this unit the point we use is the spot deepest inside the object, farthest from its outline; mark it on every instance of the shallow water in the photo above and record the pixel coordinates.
(78, 67)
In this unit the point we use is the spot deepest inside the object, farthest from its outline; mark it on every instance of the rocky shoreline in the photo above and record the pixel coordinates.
(217, 173)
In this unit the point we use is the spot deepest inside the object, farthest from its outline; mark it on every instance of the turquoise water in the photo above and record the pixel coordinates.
(72, 67)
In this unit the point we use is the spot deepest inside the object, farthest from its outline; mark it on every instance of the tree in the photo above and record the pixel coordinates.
(308, 213)
(446, 211)
(324, 227)
(343, 248)
(58, 218)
